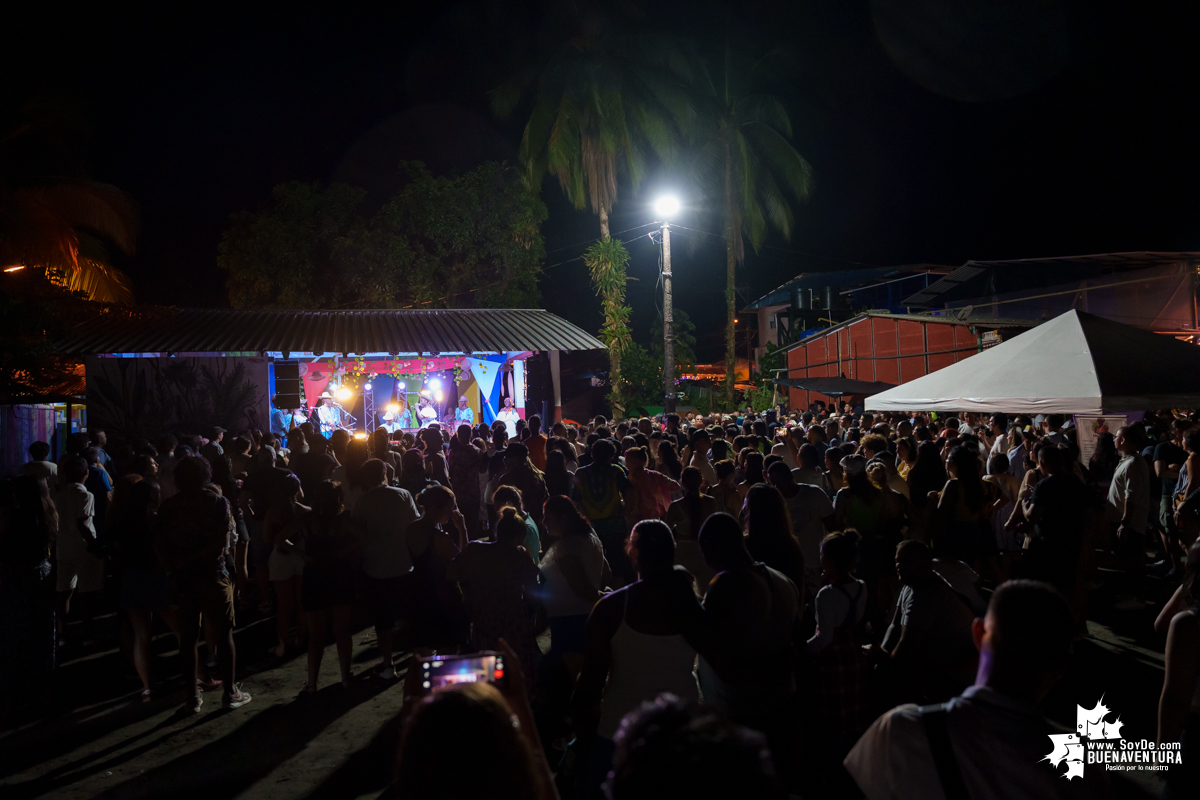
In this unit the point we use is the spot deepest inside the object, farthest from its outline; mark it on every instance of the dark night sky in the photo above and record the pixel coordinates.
(935, 136)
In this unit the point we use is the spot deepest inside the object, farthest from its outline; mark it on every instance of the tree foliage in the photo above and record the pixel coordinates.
(683, 332)
(607, 261)
(472, 240)
(601, 96)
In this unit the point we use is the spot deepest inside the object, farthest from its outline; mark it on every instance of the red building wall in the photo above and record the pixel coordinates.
(887, 349)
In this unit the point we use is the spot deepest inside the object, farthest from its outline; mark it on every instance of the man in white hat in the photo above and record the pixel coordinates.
(329, 416)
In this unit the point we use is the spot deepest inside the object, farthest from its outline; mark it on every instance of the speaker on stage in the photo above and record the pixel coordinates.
(287, 384)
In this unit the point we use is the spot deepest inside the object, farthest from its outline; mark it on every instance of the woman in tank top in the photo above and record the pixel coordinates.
(639, 643)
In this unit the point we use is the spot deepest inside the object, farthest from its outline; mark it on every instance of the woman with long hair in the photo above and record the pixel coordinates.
(928, 474)
(286, 565)
(144, 589)
(685, 516)
(331, 566)
(906, 455)
(558, 478)
(507, 758)
(497, 578)
(842, 670)
(412, 472)
(668, 460)
(769, 533)
(349, 474)
(574, 572)
(962, 518)
(28, 529)
(752, 469)
(434, 540)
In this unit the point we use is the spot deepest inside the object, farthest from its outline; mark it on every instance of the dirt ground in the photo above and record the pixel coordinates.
(95, 739)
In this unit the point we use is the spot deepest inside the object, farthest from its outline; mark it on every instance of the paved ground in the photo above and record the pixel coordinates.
(96, 739)
(338, 744)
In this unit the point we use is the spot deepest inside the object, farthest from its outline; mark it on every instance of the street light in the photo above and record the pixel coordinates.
(666, 207)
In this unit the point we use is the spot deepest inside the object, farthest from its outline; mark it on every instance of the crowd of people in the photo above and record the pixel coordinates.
(822, 603)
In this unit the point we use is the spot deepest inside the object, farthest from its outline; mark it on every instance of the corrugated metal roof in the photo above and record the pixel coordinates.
(1025, 273)
(989, 322)
(445, 331)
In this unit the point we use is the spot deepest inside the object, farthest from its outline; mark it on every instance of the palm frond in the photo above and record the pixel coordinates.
(98, 207)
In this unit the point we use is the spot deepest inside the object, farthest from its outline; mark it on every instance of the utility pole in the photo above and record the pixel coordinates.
(668, 333)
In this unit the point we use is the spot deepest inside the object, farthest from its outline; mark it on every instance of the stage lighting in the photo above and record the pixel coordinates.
(439, 396)
(360, 435)
(366, 387)
(344, 394)
(435, 384)
(393, 408)
(401, 384)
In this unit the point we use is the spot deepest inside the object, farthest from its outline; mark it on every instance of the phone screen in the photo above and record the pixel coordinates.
(440, 671)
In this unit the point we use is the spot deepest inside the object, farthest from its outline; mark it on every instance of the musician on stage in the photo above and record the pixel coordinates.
(426, 413)
(329, 414)
(463, 415)
(509, 416)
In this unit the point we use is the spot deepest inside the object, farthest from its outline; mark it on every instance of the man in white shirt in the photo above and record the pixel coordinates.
(79, 572)
(991, 741)
(40, 466)
(383, 515)
(1128, 505)
(999, 429)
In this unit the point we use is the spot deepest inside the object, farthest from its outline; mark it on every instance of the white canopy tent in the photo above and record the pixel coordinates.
(1076, 363)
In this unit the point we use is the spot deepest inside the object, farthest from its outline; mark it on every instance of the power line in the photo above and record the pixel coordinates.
(544, 269)
(786, 250)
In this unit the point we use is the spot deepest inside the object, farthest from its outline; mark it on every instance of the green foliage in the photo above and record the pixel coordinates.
(683, 330)
(641, 377)
(472, 240)
(607, 261)
(762, 395)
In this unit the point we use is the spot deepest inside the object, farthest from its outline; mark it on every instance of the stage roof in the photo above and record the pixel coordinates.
(358, 332)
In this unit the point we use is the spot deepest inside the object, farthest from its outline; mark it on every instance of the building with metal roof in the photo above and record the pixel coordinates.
(379, 332)
(166, 370)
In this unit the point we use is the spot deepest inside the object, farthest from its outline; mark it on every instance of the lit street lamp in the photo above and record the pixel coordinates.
(667, 207)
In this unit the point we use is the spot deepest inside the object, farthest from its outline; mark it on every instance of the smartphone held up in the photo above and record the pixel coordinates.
(440, 671)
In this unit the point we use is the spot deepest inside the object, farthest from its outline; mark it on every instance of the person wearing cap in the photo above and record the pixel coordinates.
(214, 435)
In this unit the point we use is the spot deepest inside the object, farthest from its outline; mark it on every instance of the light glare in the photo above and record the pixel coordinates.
(667, 206)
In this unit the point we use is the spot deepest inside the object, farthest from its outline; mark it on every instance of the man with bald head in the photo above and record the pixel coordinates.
(990, 741)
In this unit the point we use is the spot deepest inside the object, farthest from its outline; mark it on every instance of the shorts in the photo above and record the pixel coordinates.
(1166, 516)
(285, 565)
(212, 597)
(386, 599)
(145, 589)
(83, 574)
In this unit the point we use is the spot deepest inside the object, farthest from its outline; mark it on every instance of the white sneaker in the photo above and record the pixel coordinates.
(235, 699)
(387, 673)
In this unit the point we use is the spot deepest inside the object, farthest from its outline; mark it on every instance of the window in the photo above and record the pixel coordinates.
(771, 324)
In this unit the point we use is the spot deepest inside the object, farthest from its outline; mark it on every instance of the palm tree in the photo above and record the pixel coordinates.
(598, 99)
(53, 219)
(742, 160)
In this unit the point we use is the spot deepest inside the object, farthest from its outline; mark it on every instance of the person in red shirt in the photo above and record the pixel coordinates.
(649, 494)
